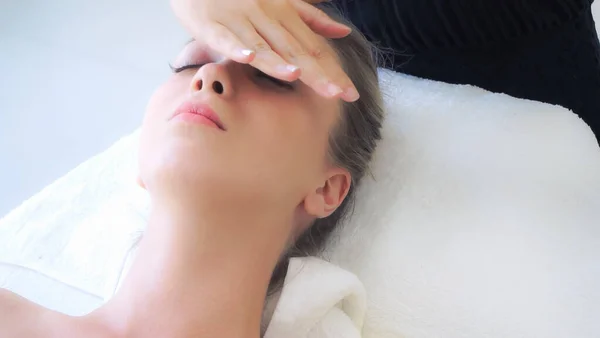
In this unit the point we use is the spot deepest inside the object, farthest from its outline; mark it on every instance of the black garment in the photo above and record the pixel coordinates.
(544, 50)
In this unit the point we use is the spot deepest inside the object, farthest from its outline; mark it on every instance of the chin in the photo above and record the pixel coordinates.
(177, 130)
(183, 153)
(178, 166)
(177, 152)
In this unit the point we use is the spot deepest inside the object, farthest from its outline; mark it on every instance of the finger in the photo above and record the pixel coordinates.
(284, 44)
(319, 22)
(266, 60)
(321, 52)
(221, 39)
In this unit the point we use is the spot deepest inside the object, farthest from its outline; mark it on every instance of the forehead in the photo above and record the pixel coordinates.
(202, 49)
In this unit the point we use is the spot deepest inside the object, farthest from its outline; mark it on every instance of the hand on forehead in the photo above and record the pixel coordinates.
(199, 52)
(284, 39)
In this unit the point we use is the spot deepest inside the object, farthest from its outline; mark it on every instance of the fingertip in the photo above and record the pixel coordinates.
(290, 72)
(347, 30)
(335, 31)
(344, 27)
(350, 94)
(247, 52)
(295, 71)
(245, 55)
(334, 90)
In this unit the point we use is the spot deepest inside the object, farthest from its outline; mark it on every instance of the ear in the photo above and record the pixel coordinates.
(328, 196)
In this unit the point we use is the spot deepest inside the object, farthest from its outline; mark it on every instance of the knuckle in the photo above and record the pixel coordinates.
(272, 22)
(261, 47)
(220, 35)
(278, 3)
(295, 53)
(216, 30)
(317, 52)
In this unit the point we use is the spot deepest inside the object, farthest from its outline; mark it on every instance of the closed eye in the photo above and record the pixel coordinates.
(274, 81)
(186, 67)
(279, 83)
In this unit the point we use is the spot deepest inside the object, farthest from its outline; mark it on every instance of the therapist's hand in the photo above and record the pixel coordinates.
(282, 38)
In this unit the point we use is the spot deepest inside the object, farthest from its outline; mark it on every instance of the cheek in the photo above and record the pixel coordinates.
(304, 131)
(165, 98)
(293, 141)
(163, 101)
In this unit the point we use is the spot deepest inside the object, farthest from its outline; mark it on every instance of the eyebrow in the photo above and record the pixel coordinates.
(211, 53)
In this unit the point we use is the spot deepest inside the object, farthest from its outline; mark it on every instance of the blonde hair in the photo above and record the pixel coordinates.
(353, 141)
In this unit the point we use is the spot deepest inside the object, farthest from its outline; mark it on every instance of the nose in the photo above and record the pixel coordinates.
(213, 78)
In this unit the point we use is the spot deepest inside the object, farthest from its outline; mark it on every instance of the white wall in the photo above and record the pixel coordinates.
(75, 77)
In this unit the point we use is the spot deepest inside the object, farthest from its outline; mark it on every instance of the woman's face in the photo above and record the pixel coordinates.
(231, 128)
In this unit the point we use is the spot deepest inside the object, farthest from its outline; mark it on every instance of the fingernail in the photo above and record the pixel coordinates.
(352, 94)
(247, 52)
(349, 29)
(333, 90)
(287, 68)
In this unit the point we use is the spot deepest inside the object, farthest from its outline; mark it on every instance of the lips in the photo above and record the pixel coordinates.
(200, 110)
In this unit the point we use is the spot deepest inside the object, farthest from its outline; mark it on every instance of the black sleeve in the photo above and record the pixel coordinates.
(544, 50)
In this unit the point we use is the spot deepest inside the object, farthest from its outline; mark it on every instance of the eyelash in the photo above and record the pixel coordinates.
(279, 83)
(186, 67)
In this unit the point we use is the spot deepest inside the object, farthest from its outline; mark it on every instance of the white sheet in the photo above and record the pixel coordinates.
(481, 221)
(70, 240)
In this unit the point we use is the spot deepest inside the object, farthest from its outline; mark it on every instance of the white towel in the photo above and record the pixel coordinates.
(481, 219)
(333, 302)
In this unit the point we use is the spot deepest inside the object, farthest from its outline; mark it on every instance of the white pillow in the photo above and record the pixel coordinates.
(481, 221)
(482, 218)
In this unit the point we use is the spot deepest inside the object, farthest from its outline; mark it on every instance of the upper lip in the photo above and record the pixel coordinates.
(200, 109)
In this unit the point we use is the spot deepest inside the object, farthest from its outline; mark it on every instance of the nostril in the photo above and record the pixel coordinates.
(218, 87)
(199, 84)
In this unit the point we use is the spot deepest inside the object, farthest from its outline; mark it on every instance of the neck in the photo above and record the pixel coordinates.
(199, 276)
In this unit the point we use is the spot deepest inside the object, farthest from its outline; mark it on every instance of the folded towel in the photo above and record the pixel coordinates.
(335, 306)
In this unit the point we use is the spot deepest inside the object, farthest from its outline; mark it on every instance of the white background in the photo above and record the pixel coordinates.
(75, 76)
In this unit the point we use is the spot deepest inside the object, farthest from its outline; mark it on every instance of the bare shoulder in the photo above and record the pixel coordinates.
(18, 316)
(12, 305)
